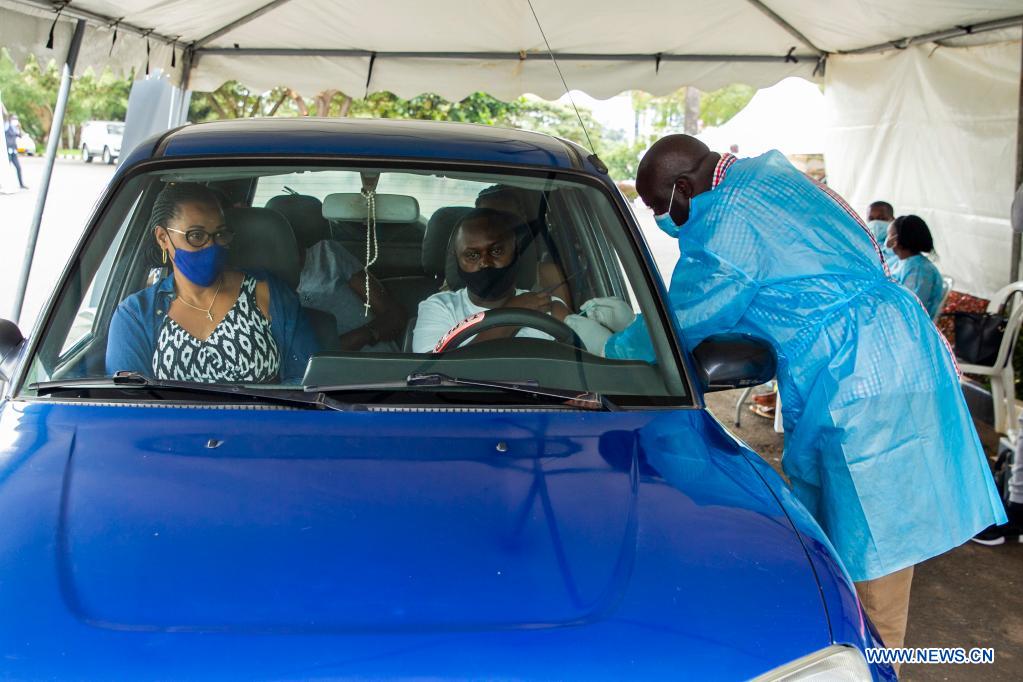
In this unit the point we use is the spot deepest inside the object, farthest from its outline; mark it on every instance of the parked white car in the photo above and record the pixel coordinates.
(103, 139)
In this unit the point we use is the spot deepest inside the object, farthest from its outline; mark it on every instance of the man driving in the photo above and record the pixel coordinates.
(487, 256)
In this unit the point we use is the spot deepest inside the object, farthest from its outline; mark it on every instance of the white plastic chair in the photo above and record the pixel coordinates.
(1003, 380)
(744, 398)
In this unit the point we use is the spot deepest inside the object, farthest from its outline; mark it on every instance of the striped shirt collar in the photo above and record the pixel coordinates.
(719, 170)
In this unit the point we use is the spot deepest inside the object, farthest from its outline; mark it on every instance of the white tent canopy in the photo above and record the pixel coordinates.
(951, 60)
(454, 48)
(788, 117)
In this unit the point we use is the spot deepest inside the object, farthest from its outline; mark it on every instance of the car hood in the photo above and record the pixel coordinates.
(280, 521)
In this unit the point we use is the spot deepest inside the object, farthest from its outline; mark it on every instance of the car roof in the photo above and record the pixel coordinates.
(370, 138)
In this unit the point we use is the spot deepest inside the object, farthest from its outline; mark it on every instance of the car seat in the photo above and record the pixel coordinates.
(265, 242)
(305, 214)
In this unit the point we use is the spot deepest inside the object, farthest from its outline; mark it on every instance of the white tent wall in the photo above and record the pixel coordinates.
(932, 130)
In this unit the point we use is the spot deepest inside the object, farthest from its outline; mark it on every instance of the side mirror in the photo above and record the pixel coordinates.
(726, 361)
(11, 341)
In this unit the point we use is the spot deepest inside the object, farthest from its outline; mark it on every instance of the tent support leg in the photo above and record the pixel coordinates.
(186, 95)
(51, 154)
(1017, 238)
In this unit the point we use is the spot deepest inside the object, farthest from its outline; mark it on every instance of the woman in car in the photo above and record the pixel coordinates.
(203, 322)
(910, 238)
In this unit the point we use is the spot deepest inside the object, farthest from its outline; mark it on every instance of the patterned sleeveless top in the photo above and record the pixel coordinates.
(240, 349)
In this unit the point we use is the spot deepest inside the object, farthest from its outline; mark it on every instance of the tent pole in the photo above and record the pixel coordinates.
(188, 62)
(1017, 238)
(51, 154)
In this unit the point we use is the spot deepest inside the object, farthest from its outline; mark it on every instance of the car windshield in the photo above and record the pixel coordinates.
(348, 278)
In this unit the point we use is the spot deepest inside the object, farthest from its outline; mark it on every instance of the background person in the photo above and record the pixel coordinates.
(879, 217)
(880, 210)
(204, 323)
(869, 389)
(12, 130)
(333, 280)
(909, 238)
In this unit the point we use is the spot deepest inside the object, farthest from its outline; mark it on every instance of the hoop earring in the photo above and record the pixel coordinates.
(164, 259)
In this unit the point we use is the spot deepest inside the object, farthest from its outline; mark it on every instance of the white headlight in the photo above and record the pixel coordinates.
(834, 664)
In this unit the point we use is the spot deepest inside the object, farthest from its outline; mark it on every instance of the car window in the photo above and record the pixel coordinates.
(346, 276)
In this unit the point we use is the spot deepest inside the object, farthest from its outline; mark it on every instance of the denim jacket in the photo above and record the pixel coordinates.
(136, 324)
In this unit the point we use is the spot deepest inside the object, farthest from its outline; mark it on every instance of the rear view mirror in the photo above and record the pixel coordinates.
(726, 361)
(11, 341)
(389, 208)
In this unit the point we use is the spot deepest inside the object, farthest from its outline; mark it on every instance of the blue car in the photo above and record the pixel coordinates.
(329, 399)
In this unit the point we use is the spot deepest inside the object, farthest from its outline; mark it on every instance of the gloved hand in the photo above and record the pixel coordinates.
(610, 311)
(593, 334)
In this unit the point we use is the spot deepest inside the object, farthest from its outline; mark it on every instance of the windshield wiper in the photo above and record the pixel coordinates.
(136, 381)
(586, 400)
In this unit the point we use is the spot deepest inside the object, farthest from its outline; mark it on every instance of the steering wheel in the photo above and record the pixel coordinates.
(508, 317)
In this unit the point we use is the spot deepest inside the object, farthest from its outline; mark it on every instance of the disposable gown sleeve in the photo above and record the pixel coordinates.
(708, 294)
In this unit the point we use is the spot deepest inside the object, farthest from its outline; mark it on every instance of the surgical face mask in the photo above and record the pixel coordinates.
(489, 284)
(879, 228)
(201, 267)
(664, 220)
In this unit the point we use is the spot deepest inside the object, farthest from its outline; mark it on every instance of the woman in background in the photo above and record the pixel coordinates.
(910, 238)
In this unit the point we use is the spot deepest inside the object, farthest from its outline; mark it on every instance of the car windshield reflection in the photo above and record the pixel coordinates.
(305, 276)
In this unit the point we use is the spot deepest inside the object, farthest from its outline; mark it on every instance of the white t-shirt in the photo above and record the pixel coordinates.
(442, 311)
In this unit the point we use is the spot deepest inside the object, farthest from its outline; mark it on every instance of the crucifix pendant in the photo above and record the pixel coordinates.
(209, 316)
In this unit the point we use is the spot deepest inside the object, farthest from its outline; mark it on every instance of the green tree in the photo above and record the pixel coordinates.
(720, 105)
(30, 93)
(234, 100)
(622, 158)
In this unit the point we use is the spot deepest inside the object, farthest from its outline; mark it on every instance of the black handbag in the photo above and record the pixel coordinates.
(978, 337)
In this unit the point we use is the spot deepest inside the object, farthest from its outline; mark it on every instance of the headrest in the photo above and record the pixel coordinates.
(263, 241)
(305, 213)
(438, 233)
(390, 208)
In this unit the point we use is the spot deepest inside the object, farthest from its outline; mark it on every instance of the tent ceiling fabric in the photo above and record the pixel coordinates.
(703, 44)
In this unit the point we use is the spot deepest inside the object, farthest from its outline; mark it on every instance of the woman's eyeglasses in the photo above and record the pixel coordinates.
(198, 237)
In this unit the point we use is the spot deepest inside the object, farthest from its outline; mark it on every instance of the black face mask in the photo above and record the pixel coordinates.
(490, 284)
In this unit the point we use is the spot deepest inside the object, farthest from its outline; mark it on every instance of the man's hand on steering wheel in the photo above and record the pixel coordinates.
(504, 322)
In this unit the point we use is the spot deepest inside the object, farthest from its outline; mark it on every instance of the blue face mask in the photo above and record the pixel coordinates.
(201, 267)
(664, 220)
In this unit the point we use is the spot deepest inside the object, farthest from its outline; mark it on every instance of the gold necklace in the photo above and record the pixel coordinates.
(208, 311)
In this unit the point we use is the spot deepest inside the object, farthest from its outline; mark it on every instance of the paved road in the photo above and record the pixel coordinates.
(74, 190)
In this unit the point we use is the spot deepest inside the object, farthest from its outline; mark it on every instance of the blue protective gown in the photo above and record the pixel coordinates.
(879, 444)
(921, 276)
